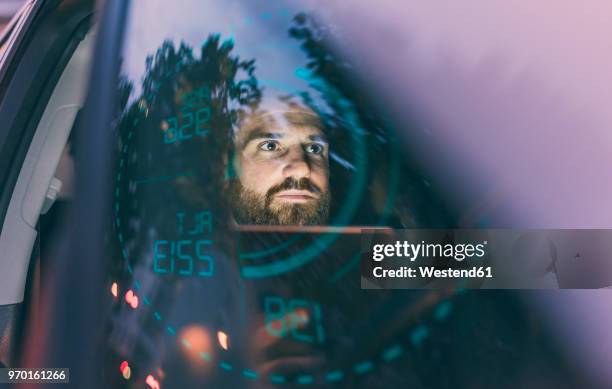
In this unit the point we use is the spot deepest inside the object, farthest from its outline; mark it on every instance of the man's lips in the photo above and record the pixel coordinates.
(295, 195)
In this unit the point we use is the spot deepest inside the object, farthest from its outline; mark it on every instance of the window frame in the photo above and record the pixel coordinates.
(27, 80)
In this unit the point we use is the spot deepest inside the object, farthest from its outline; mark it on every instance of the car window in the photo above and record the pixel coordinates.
(9, 33)
(40, 197)
(250, 151)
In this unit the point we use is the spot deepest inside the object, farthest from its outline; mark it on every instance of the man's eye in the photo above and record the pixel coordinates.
(314, 148)
(269, 146)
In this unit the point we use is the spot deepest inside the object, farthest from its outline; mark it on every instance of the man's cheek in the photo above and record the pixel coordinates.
(321, 179)
(247, 172)
(256, 181)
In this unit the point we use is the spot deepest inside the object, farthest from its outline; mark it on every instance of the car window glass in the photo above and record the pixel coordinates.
(12, 29)
(249, 154)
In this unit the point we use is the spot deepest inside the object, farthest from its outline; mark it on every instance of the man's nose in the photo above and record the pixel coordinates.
(296, 163)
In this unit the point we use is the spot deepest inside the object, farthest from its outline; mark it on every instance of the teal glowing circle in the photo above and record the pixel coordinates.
(387, 355)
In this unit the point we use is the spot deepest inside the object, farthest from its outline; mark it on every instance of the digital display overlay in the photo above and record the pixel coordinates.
(255, 183)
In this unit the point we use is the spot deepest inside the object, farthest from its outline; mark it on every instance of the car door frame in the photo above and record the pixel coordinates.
(38, 52)
(70, 328)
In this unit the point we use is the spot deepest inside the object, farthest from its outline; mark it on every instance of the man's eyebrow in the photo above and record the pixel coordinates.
(261, 134)
(318, 138)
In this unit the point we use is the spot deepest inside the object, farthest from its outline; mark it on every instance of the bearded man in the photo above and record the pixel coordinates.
(281, 165)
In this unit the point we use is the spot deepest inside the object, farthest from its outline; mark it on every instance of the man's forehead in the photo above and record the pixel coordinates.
(278, 125)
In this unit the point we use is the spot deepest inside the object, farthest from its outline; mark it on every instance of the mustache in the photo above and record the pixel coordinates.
(250, 207)
(289, 183)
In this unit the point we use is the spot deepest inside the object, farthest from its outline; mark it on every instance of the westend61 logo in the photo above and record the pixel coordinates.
(453, 259)
(412, 251)
(421, 258)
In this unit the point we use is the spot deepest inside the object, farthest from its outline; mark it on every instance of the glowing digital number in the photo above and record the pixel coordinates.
(202, 120)
(184, 257)
(207, 259)
(158, 256)
(189, 126)
(187, 123)
(196, 97)
(171, 255)
(275, 316)
(201, 221)
(296, 319)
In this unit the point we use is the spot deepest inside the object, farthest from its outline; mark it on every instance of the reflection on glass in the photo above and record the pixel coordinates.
(248, 160)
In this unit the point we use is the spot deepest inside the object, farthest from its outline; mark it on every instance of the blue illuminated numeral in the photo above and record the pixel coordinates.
(207, 259)
(188, 270)
(296, 318)
(197, 96)
(187, 123)
(158, 256)
(202, 221)
(275, 316)
(166, 253)
(202, 117)
(185, 132)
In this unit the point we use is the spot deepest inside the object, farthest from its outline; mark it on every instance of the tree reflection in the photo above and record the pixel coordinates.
(199, 97)
(350, 111)
(174, 132)
(166, 172)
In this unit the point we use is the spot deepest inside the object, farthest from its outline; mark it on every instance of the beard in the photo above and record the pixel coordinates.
(250, 207)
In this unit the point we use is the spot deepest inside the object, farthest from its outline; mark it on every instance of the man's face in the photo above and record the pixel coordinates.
(282, 162)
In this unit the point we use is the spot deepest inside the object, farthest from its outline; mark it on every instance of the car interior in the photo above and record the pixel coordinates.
(190, 275)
